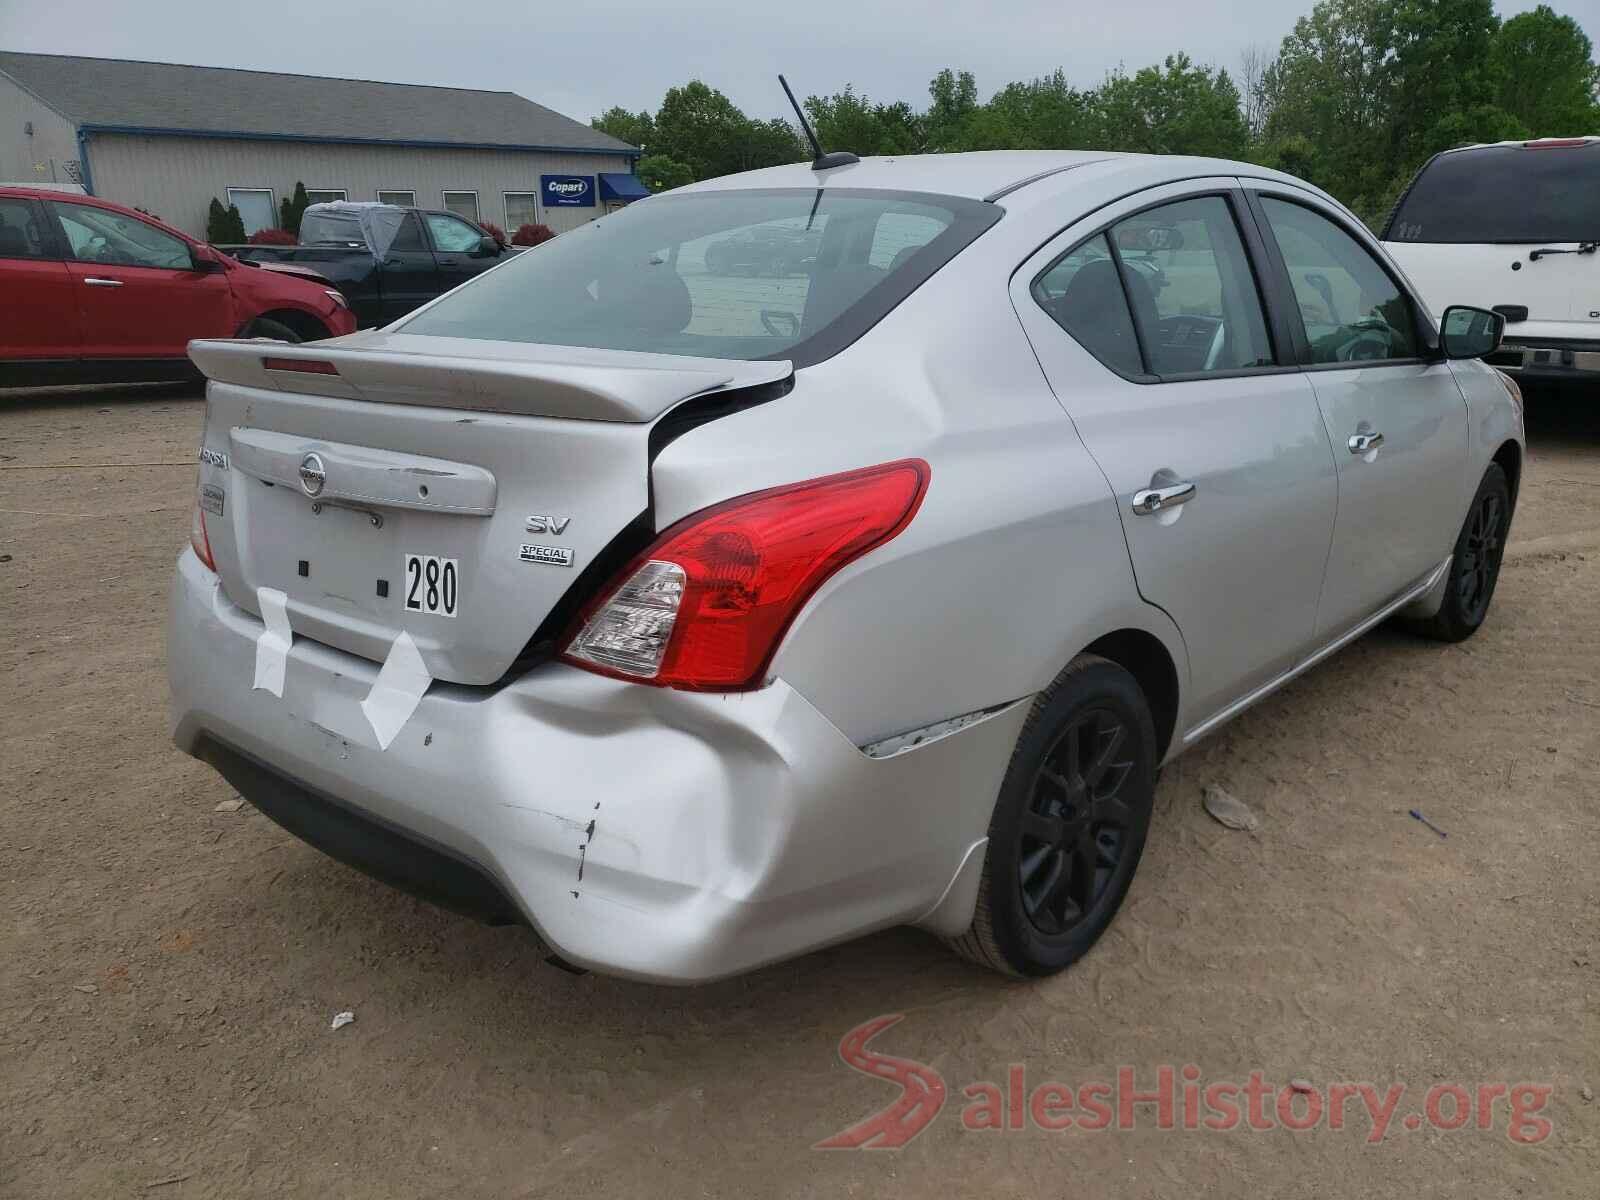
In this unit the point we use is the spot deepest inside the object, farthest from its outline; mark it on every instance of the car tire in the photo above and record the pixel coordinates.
(1475, 565)
(1069, 825)
(266, 327)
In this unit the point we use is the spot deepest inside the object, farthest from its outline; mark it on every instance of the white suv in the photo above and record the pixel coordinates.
(1512, 226)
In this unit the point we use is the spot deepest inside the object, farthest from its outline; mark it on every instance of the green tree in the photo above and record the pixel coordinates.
(1177, 108)
(660, 173)
(955, 101)
(1364, 91)
(1047, 113)
(224, 226)
(291, 209)
(700, 126)
(1546, 74)
(1438, 78)
(846, 121)
(637, 129)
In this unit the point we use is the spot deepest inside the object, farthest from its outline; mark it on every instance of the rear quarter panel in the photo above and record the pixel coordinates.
(1016, 560)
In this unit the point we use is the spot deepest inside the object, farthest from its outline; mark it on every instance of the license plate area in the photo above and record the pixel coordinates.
(329, 557)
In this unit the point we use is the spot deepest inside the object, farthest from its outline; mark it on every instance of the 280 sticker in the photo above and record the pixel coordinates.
(433, 585)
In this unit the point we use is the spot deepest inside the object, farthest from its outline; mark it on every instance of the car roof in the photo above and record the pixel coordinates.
(976, 174)
(1018, 178)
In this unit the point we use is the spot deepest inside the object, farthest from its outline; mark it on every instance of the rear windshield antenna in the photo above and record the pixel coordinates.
(822, 162)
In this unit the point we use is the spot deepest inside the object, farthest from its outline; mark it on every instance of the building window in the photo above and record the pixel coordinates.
(404, 198)
(522, 208)
(326, 195)
(463, 204)
(256, 208)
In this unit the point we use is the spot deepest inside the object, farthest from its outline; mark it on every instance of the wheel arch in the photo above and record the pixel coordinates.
(1509, 459)
(1147, 659)
(309, 327)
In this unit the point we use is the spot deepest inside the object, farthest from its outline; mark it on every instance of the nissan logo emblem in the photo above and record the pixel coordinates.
(312, 474)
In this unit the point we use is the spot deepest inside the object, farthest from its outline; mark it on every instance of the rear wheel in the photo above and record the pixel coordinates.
(1475, 565)
(1070, 824)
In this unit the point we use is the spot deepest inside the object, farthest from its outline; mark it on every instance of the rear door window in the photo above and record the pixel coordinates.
(1081, 293)
(1506, 194)
(1191, 288)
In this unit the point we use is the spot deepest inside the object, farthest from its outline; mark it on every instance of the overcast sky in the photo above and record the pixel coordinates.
(582, 56)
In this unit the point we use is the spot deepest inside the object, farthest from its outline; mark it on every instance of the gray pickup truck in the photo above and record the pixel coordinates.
(385, 259)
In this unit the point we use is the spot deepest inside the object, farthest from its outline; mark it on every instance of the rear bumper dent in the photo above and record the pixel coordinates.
(645, 832)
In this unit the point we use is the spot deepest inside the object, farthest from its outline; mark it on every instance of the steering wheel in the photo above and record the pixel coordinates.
(1370, 343)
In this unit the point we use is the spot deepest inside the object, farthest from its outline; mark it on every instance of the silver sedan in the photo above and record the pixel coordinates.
(699, 619)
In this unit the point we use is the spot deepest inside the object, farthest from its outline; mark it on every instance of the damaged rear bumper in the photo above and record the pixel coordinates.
(658, 834)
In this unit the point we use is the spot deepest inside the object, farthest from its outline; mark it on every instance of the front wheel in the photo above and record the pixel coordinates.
(1475, 565)
(266, 327)
(1070, 823)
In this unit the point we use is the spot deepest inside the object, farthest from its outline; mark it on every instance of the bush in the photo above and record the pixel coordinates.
(224, 226)
(494, 231)
(292, 208)
(532, 235)
(272, 237)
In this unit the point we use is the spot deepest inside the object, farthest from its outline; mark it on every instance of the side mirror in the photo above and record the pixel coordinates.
(205, 260)
(1468, 332)
(487, 248)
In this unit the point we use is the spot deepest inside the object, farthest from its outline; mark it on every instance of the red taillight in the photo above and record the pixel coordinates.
(705, 607)
(197, 536)
(1554, 143)
(306, 366)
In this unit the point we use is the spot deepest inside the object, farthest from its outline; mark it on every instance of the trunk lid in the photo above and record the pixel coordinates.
(508, 467)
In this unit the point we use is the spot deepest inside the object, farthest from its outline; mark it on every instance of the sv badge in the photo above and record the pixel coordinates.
(539, 523)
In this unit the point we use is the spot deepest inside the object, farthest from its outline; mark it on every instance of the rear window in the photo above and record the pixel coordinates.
(795, 274)
(1503, 194)
(331, 229)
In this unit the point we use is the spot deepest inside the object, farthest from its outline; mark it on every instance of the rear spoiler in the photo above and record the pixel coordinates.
(482, 376)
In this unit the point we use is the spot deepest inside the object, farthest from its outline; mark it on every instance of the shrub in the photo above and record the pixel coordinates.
(493, 231)
(272, 237)
(224, 226)
(532, 235)
(292, 208)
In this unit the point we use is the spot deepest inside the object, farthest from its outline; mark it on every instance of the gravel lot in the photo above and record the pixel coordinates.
(168, 972)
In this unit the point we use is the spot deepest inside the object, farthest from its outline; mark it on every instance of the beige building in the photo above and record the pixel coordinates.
(168, 138)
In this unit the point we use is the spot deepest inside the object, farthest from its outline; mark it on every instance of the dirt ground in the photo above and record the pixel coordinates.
(168, 972)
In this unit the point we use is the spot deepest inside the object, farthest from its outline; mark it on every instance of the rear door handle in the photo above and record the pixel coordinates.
(1365, 443)
(92, 281)
(1154, 500)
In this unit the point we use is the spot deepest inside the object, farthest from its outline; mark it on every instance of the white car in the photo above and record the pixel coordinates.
(1512, 227)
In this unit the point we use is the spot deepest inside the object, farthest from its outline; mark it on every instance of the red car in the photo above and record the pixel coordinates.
(95, 292)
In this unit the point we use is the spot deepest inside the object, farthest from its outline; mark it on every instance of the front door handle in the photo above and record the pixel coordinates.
(92, 281)
(1365, 443)
(1154, 500)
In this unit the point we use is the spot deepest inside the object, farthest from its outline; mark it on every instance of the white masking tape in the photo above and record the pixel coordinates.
(397, 691)
(272, 647)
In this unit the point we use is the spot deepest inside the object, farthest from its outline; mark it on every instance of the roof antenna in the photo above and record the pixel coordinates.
(822, 162)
